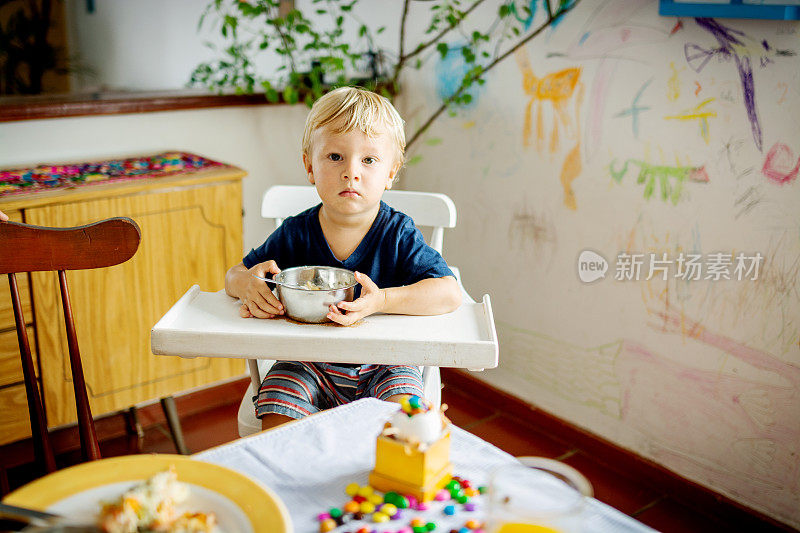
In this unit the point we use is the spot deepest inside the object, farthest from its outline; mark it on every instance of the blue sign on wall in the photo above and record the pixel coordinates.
(740, 9)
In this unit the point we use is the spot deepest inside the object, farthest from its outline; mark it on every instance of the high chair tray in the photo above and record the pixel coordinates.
(208, 324)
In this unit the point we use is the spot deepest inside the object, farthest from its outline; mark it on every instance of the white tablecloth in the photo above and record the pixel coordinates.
(309, 463)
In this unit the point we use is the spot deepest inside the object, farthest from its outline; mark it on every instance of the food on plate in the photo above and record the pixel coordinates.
(152, 505)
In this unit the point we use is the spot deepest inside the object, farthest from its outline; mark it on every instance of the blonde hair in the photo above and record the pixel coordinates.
(353, 107)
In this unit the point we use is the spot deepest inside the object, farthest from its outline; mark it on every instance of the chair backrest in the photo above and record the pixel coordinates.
(29, 248)
(426, 208)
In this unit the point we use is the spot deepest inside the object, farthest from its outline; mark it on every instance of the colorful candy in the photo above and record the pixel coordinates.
(413, 405)
(366, 504)
(389, 509)
(329, 524)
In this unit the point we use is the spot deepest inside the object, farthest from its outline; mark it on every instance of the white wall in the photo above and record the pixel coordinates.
(702, 377)
(264, 140)
(155, 45)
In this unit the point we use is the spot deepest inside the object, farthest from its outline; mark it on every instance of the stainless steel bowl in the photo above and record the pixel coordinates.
(311, 305)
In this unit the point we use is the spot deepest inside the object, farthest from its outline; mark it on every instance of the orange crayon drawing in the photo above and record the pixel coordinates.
(558, 91)
(698, 88)
(697, 113)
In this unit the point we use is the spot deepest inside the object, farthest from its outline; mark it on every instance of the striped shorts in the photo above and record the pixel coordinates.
(297, 389)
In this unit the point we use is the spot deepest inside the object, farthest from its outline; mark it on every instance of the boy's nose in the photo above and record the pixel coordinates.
(351, 172)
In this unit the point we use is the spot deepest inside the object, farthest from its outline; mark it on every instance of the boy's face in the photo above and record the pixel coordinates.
(351, 170)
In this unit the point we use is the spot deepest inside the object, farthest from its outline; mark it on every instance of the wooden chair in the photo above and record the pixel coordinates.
(429, 210)
(29, 248)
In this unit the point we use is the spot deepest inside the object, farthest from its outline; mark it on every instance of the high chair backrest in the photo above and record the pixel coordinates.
(426, 208)
(29, 248)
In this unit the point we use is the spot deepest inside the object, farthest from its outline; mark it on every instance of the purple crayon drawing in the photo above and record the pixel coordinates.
(732, 45)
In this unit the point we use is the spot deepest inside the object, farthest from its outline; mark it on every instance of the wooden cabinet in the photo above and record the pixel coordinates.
(191, 233)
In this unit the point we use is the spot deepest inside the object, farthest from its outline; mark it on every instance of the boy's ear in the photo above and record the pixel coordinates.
(392, 174)
(309, 169)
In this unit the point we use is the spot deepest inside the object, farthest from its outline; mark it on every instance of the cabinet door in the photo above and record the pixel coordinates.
(14, 414)
(190, 236)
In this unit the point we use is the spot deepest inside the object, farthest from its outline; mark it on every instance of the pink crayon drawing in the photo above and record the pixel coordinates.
(778, 164)
(735, 431)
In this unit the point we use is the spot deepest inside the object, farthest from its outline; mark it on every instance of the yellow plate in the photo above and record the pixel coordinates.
(265, 511)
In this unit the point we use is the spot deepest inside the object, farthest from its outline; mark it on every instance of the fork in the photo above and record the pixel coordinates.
(34, 521)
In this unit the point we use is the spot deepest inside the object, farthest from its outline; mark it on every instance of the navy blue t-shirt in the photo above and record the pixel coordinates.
(392, 253)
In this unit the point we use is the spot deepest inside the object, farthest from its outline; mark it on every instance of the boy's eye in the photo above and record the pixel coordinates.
(369, 160)
(335, 157)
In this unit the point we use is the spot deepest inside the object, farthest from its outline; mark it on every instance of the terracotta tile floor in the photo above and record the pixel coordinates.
(215, 426)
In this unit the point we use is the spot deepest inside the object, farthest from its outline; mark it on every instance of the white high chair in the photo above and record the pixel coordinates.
(427, 209)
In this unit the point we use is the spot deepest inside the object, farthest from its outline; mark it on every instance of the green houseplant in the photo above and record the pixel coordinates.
(315, 54)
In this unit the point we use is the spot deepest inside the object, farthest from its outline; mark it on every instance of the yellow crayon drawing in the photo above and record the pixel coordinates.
(697, 113)
(558, 90)
(673, 83)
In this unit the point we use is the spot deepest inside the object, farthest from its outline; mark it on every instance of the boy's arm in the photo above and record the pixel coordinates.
(257, 299)
(431, 296)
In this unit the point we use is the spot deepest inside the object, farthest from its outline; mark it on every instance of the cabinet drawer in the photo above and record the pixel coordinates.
(14, 414)
(10, 363)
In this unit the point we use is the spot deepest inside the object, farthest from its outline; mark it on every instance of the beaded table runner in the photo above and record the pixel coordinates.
(49, 177)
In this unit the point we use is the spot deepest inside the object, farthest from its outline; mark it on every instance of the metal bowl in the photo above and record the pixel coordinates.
(311, 305)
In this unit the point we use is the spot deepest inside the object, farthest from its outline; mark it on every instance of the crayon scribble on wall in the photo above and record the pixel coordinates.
(670, 179)
(562, 93)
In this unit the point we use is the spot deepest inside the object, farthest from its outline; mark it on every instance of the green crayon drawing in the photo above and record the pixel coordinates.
(670, 179)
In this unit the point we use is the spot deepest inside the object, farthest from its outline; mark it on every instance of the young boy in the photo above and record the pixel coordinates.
(353, 146)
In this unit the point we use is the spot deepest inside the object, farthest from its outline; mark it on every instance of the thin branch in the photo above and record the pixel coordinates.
(442, 33)
(550, 19)
(287, 47)
(400, 59)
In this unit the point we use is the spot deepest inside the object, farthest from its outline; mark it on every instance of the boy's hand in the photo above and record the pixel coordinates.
(371, 301)
(258, 300)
